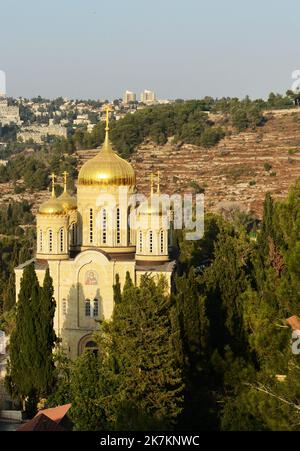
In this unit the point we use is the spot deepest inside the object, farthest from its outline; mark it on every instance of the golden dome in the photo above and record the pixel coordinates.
(51, 207)
(151, 207)
(67, 201)
(106, 168)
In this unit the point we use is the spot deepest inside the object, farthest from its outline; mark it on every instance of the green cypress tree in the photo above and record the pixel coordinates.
(46, 335)
(117, 290)
(31, 373)
(21, 379)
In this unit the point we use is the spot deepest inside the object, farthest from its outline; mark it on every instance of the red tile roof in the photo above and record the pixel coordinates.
(40, 423)
(56, 413)
(294, 322)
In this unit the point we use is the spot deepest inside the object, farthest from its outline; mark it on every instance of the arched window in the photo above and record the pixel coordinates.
(141, 241)
(104, 226)
(118, 224)
(91, 225)
(87, 307)
(162, 242)
(74, 234)
(61, 240)
(50, 240)
(41, 240)
(96, 308)
(64, 307)
(151, 241)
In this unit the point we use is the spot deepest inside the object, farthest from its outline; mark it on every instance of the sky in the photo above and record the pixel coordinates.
(178, 48)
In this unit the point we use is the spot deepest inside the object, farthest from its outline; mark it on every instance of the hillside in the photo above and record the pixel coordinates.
(232, 171)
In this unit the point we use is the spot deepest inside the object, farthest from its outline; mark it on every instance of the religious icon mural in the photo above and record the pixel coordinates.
(91, 278)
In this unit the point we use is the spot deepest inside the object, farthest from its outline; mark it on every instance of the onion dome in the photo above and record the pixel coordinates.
(52, 206)
(153, 206)
(107, 168)
(67, 201)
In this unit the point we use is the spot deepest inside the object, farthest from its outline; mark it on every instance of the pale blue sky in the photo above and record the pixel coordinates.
(187, 48)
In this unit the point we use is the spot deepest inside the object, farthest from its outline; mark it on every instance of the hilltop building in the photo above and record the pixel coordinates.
(148, 97)
(36, 133)
(8, 114)
(87, 241)
(128, 97)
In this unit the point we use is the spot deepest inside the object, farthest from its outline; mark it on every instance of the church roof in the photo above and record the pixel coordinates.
(40, 423)
(107, 168)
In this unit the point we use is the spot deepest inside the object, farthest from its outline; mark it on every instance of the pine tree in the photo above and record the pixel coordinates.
(142, 348)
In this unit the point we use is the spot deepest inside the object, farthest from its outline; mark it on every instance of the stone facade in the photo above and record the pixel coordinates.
(88, 241)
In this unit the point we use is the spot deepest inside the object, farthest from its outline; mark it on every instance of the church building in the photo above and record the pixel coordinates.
(87, 241)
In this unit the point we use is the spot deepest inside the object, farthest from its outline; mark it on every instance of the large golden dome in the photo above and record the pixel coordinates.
(106, 168)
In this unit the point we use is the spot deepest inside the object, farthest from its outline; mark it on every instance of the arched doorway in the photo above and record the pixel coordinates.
(87, 342)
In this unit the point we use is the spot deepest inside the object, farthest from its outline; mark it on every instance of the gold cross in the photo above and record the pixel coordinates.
(53, 177)
(158, 182)
(151, 183)
(107, 109)
(65, 174)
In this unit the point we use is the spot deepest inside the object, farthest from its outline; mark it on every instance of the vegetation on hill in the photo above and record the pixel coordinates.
(185, 121)
(215, 355)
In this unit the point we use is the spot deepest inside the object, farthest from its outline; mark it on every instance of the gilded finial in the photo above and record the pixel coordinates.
(107, 109)
(65, 174)
(53, 177)
(151, 183)
(158, 182)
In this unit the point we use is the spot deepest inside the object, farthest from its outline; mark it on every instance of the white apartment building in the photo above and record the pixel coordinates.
(148, 97)
(128, 97)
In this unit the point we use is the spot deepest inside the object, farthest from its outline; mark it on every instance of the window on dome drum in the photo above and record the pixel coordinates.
(50, 240)
(162, 242)
(61, 240)
(141, 241)
(64, 307)
(91, 225)
(104, 226)
(151, 242)
(87, 307)
(118, 226)
(41, 240)
(96, 308)
(73, 234)
(128, 226)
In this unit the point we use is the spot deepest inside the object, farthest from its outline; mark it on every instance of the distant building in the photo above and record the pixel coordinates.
(36, 133)
(8, 114)
(148, 97)
(82, 119)
(128, 97)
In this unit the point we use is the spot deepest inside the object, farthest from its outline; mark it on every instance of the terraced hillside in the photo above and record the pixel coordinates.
(241, 168)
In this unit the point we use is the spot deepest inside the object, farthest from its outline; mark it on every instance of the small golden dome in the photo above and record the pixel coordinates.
(51, 207)
(67, 201)
(151, 207)
(106, 168)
